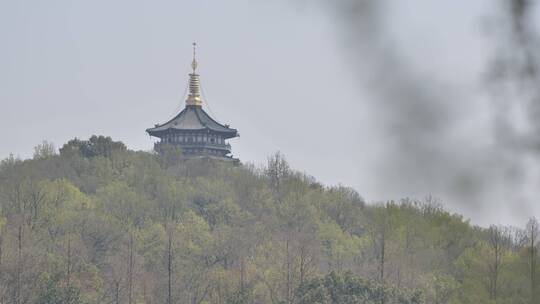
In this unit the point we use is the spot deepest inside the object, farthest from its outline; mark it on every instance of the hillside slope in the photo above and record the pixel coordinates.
(98, 223)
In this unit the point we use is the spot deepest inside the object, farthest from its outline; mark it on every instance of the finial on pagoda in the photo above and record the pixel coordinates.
(194, 62)
(194, 97)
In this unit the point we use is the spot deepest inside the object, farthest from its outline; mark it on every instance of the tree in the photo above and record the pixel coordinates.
(170, 261)
(345, 207)
(349, 289)
(107, 225)
(170, 155)
(380, 230)
(277, 171)
(44, 150)
(52, 292)
(93, 147)
(532, 238)
(498, 241)
(441, 287)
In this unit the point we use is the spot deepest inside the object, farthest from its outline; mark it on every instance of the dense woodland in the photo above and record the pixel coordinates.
(98, 223)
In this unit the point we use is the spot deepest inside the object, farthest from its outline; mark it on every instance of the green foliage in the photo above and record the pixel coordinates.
(349, 289)
(169, 155)
(240, 297)
(54, 294)
(53, 289)
(102, 224)
(338, 246)
(95, 146)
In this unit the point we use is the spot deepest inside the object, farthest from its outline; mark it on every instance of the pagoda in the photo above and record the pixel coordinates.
(193, 130)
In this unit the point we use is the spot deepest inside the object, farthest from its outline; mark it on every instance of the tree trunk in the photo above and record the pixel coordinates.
(383, 252)
(242, 273)
(1, 253)
(130, 270)
(19, 263)
(532, 230)
(69, 268)
(169, 269)
(302, 264)
(117, 295)
(288, 258)
(533, 267)
(68, 261)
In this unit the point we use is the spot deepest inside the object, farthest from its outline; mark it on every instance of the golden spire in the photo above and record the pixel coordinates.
(194, 97)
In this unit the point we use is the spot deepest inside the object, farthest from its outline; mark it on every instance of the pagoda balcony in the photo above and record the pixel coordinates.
(204, 145)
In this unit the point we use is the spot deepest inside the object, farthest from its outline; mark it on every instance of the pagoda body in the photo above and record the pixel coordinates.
(193, 130)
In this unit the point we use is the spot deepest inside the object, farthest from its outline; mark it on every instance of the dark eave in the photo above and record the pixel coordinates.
(192, 118)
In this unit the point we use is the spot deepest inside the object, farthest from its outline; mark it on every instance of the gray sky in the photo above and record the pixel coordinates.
(284, 74)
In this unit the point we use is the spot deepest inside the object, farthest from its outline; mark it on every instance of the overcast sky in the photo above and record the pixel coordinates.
(278, 71)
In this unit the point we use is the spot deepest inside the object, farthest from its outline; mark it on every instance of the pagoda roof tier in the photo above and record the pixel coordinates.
(192, 118)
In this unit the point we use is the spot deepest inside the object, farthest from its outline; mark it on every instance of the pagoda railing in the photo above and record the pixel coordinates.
(195, 145)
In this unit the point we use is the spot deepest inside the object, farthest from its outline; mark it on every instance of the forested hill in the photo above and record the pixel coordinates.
(98, 223)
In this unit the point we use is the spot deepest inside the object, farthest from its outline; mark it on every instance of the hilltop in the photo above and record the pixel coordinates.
(99, 223)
